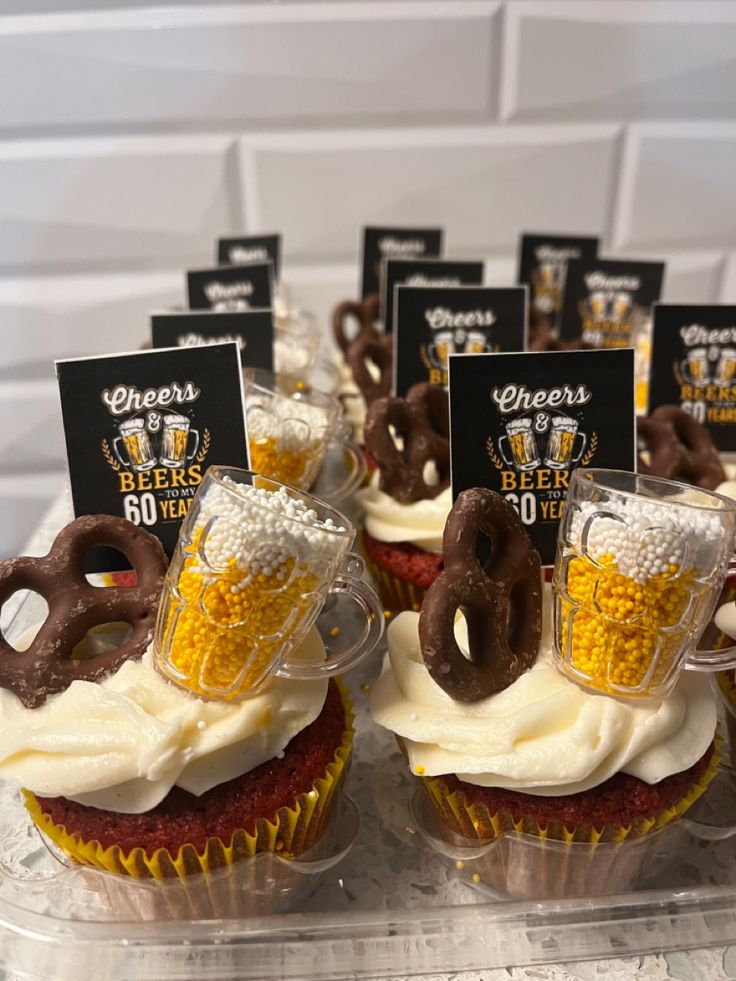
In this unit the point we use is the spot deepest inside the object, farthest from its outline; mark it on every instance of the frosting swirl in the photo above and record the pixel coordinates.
(542, 735)
(420, 523)
(123, 743)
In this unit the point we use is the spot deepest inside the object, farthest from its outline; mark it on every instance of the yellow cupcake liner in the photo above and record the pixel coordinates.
(476, 823)
(293, 830)
(396, 594)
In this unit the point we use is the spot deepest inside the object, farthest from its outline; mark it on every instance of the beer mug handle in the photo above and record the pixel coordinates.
(370, 606)
(502, 440)
(195, 433)
(116, 451)
(583, 444)
(710, 660)
(357, 469)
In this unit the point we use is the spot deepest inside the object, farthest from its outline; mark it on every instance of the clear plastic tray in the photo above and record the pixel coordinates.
(399, 902)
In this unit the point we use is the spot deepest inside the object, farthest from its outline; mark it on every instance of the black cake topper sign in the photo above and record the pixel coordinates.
(694, 365)
(242, 249)
(231, 288)
(521, 423)
(379, 243)
(607, 300)
(141, 429)
(252, 331)
(543, 263)
(433, 322)
(423, 272)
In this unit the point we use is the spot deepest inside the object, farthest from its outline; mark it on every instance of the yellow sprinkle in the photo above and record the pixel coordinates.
(366, 687)
(335, 632)
(475, 877)
(388, 614)
(459, 865)
(419, 770)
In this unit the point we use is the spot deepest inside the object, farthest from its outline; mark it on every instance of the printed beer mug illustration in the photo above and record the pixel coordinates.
(253, 566)
(134, 437)
(561, 451)
(697, 365)
(598, 305)
(522, 444)
(442, 347)
(639, 568)
(726, 368)
(622, 307)
(175, 440)
(475, 342)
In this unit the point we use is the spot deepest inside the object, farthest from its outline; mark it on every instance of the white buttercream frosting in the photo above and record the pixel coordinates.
(123, 743)
(542, 735)
(421, 523)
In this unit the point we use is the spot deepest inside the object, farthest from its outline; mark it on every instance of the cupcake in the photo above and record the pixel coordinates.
(125, 772)
(551, 789)
(408, 498)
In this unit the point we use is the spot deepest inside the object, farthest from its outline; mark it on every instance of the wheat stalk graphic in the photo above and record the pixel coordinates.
(425, 357)
(495, 459)
(588, 456)
(109, 457)
(205, 447)
(677, 373)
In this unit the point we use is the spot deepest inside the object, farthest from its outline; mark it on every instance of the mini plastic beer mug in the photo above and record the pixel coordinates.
(289, 435)
(253, 566)
(639, 569)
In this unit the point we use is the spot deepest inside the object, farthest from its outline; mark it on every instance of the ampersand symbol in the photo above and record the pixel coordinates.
(75, 606)
(417, 424)
(679, 447)
(501, 600)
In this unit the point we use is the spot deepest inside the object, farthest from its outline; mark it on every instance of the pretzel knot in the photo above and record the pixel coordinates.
(365, 313)
(680, 448)
(75, 607)
(378, 351)
(410, 423)
(501, 600)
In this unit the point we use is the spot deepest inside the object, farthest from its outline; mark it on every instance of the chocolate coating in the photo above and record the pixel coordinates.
(364, 312)
(379, 350)
(680, 448)
(75, 606)
(501, 600)
(435, 403)
(402, 470)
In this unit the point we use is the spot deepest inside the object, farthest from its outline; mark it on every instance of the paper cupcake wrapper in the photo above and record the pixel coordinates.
(293, 830)
(396, 594)
(474, 822)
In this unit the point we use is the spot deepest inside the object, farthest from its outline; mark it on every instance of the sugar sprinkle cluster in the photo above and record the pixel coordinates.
(260, 531)
(644, 539)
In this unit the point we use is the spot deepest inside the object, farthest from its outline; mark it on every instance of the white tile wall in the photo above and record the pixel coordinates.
(89, 203)
(47, 317)
(578, 61)
(24, 499)
(483, 183)
(287, 64)
(133, 134)
(677, 187)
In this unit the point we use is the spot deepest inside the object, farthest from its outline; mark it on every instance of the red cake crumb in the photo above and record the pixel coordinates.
(182, 817)
(618, 800)
(404, 560)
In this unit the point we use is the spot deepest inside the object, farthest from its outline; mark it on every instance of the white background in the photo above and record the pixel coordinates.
(130, 137)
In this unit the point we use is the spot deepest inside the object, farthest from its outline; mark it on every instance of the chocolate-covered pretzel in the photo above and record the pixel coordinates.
(680, 448)
(402, 470)
(75, 607)
(365, 312)
(379, 351)
(501, 600)
(434, 402)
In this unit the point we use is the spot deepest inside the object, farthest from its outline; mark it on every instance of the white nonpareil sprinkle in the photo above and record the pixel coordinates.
(291, 421)
(262, 530)
(645, 539)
